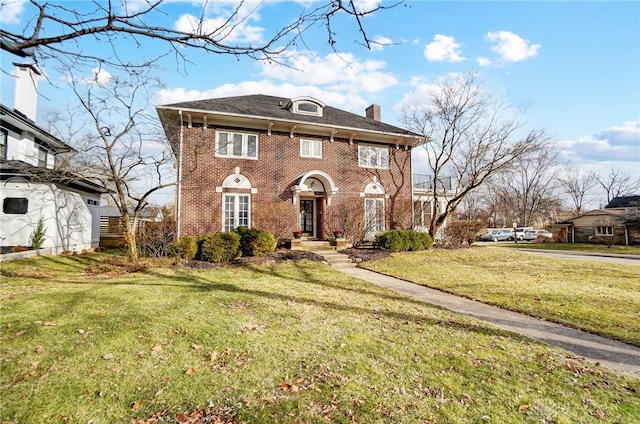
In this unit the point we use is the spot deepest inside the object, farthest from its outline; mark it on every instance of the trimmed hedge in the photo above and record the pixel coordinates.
(403, 240)
(185, 247)
(218, 247)
(255, 241)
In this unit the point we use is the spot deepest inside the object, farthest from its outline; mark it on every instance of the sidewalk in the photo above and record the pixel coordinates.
(609, 353)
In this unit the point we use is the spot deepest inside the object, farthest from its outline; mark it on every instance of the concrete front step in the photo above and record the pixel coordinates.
(316, 246)
(336, 259)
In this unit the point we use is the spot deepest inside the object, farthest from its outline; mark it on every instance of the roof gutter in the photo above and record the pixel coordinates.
(291, 121)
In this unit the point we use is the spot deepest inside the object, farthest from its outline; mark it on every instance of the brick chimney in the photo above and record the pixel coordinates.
(26, 89)
(373, 112)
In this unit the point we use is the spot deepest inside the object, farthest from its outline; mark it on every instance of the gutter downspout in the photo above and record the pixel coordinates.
(179, 176)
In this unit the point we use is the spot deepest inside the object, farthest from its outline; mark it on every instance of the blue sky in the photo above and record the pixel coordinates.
(576, 64)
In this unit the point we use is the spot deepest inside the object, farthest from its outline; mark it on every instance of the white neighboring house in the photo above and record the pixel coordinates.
(424, 202)
(30, 187)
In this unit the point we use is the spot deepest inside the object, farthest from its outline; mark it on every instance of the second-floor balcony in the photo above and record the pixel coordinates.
(425, 182)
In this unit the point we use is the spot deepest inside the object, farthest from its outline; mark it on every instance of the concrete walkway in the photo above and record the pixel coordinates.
(609, 353)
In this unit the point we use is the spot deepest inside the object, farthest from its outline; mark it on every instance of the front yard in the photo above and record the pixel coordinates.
(593, 296)
(277, 342)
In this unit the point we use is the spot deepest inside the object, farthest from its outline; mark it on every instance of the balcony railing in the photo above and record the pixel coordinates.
(426, 182)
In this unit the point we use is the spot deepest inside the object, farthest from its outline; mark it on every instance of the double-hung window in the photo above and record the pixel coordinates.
(236, 211)
(373, 157)
(236, 145)
(311, 148)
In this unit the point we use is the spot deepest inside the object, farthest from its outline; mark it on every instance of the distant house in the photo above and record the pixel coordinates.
(624, 202)
(424, 203)
(31, 188)
(112, 226)
(250, 159)
(618, 223)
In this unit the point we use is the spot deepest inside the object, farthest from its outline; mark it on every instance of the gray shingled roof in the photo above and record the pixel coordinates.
(272, 107)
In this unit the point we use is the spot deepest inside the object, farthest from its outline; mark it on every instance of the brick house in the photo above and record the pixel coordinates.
(258, 160)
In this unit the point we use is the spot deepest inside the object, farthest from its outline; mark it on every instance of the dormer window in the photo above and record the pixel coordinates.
(307, 106)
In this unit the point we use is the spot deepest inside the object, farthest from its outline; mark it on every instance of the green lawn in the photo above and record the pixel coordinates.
(593, 296)
(576, 247)
(277, 342)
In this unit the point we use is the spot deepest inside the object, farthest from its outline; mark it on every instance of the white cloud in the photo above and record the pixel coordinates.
(483, 61)
(347, 101)
(221, 28)
(366, 5)
(422, 91)
(614, 144)
(99, 77)
(380, 42)
(511, 47)
(339, 72)
(11, 11)
(443, 49)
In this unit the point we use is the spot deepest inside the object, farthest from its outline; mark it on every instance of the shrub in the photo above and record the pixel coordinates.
(255, 241)
(279, 218)
(218, 247)
(155, 239)
(458, 233)
(38, 235)
(418, 240)
(403, 240)
(185, 247)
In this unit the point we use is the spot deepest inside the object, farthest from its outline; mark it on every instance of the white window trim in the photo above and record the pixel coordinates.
(379, 149)
(373, 231)
(297, 110)
(245, 145)
(608, 231)
(236, 202)
(311, 142)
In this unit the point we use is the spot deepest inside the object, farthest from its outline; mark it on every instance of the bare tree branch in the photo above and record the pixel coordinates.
(578, 187)
(53, 31)
(473, 137)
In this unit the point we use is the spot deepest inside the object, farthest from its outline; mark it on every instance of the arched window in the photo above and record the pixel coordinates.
(236, 201)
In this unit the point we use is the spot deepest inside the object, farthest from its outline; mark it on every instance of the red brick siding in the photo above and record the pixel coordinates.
(275, 172)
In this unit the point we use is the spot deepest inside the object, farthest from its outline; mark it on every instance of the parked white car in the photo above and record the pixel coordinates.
(533, 234)
(520, 231)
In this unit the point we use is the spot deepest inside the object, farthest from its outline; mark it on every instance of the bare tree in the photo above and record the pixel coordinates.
(54, 30)
(578, 187)
(527, 191)
(618, 183)
(473, 137)
(121, 147)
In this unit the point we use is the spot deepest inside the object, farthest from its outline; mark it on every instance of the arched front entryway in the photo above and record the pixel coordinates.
(312, 194)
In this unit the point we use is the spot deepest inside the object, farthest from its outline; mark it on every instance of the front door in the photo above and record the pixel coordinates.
(307, 215)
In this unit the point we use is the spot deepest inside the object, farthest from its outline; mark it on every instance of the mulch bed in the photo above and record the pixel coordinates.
(365, 254)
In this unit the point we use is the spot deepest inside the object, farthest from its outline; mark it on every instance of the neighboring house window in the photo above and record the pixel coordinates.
(42, 157)
(236, 145)
(604, 231)
(373, 216)
(236, 211)
(311, 148)
(3, 144)
(15, 205)
(373, 157)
